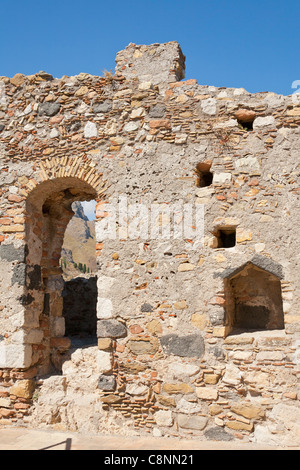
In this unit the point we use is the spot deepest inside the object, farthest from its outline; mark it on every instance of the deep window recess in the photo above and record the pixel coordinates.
(226, 238)
(204, 175)
(245, 119)
(253, 300)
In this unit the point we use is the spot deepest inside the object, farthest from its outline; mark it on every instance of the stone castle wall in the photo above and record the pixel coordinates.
(198, 333)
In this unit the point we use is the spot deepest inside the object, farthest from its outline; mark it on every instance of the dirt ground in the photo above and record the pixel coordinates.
(37, 439)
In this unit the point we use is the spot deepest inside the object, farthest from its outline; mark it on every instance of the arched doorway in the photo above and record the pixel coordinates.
(48, 212)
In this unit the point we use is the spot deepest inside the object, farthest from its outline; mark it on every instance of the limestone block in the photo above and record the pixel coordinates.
(265, 121)
(222, 178)
(18, 79)
(104, 343)
(184, 267)
(143, 345)
(249, 161)
(145, 86)
(110, 127)
(163, 418)
(258, 379)
(199, 320)
(137, 113)
(294, 111)
(209, 106)
(232, 376)
(220, 331)
(270, 356)
(15, 355)
(131, 126)
(211, 378)
(177, 388)
(137, 389)
(205, 393)
(5, 403)
(154, 327)
(104, 308)
(23, 389)
(241, 355)
(104, 361)
(178, 370)
(187, 407)
(53, 390)
(239, 425)
(180, 305)
(83, 90)
(248, 410)
(243, 235)
(192, 422)
(90, 130)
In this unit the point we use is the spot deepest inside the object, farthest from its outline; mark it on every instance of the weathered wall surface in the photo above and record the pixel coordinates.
(168, 360)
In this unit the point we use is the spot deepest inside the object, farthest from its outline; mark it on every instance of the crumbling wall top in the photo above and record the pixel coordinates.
(158, 63)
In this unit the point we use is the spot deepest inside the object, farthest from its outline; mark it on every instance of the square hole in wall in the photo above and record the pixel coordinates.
(246, 125)
(204, 175)
(226, 238)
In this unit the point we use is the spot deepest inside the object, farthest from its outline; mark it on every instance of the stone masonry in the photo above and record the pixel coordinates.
(198, 329)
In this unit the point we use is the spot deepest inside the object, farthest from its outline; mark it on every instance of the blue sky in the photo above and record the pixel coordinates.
(250, 44)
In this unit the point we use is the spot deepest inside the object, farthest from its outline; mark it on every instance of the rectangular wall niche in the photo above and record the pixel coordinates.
(253, 300)
(204, 175)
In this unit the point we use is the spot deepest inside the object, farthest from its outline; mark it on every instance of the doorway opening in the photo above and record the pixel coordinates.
(49, 210)
(78, 263)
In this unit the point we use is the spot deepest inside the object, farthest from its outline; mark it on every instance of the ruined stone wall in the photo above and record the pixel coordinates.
(169, 358)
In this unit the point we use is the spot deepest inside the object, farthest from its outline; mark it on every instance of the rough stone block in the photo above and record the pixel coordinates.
(107, 383)
(218, 434)
(111, 329)
(164, 418)
(248, 410)
(104, 308)
(104, 361)
(205, 393)
(184, 346)
(23, 389)
(48, 109)
(191, 422)
(15, 355)
(10, 253)
(177, 388)
(143, 345)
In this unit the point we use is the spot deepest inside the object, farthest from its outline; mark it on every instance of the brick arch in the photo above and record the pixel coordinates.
(48, 210)
(79, 167)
